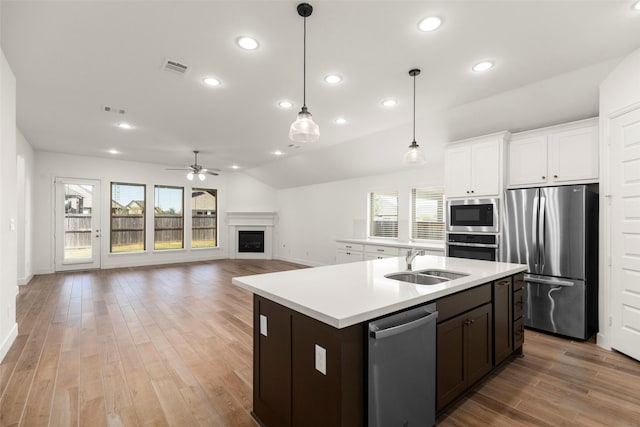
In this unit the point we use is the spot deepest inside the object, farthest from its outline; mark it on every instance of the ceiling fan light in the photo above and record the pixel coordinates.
(414, 156)
(201, 176)
(190, 176)
(304, 129)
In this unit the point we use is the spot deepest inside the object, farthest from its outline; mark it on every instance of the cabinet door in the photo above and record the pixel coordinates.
(573, 155)
(271, 362)
(478, 349)
(528, 161)
(485, 168)
(502, 320)
(450, 362)
(343, 257)
(457, 163)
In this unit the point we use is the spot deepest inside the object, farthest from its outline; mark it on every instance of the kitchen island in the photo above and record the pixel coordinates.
(310, 332)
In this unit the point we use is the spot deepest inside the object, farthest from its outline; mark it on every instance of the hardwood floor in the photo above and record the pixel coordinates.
(172, 345)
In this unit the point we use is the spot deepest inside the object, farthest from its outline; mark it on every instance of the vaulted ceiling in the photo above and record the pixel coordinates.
(73, 58)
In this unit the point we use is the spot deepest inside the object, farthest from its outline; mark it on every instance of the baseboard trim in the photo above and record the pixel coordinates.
(602, 340)
(25, 280)
(8, 341)
(306, 262)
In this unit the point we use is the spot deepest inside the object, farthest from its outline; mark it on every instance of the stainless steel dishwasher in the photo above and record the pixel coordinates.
(402, 369)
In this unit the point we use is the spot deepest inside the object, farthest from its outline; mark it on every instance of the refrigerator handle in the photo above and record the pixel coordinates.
(541, 232)
(534, 233)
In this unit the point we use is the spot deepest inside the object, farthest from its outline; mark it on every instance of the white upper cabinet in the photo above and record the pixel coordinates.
(474, 168)
(556, 155)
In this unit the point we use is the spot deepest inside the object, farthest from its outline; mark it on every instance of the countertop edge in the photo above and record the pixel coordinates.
(375, 313)
(394, 243)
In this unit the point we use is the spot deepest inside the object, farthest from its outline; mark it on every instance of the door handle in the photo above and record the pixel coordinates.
(541, 232)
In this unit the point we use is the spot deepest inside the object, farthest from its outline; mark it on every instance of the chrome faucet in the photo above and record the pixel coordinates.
(411, 254)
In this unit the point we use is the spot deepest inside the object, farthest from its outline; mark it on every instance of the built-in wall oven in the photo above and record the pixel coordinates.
(473, 216)
(473, 246)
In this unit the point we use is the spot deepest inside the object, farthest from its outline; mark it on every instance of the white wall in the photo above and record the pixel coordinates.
(312, 217)
(619, 91)
(233, 190)
(25, 166)
(8, 212)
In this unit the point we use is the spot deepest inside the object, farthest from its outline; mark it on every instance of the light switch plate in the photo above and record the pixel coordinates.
(263, 325)
(321, 359)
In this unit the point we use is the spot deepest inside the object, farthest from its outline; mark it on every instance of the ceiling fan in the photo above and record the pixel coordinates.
(196, 169)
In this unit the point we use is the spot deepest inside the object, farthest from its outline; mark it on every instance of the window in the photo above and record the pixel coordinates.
(127, 217)
(168, 218)
(204, 218)
(383, 214)
(427, 213)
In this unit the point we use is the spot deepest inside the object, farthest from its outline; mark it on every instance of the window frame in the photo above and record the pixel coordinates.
(370, 213)
(182, 234)
(144, 217)
(217, 219)
(440, 212)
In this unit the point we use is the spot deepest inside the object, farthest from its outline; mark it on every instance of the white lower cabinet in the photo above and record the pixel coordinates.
(380, 252)
(352, 252)
(349, 252)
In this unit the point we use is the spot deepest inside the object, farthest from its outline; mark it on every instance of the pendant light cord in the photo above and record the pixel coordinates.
(414, 108)
(304, 65)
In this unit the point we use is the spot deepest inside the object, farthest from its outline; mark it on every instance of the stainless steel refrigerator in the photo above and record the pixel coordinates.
(554, 230)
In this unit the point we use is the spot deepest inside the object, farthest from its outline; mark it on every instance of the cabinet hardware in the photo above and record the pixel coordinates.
(555, 176)
(469, 322)
(380, 250)
(472, 191)
(544, 177)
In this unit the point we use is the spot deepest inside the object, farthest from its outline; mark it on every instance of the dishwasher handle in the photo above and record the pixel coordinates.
(403, 327)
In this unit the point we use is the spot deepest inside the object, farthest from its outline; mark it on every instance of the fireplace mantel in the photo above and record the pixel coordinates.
(251, 221)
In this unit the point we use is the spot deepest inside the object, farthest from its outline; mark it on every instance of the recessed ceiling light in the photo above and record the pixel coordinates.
(389, 102)
(483, 66)
(247, 43)
(278, 153)
(333, 79)
(636, 5)
(340, 121)
(235, 167)
(124, 125)
(285, 104)
(211, 81)
(430, 23)
(112, 151)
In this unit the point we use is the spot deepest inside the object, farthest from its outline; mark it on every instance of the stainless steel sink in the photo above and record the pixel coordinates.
(451, 275)
(417, 278)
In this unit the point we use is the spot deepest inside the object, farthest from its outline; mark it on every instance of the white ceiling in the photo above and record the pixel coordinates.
(72, 58)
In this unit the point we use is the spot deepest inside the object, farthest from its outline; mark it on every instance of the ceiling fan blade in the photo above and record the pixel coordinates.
(179, 169)
(213, 169)
(212, 173)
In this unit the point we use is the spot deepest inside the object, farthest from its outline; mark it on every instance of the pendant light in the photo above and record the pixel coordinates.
(414, 156)
(304, 129)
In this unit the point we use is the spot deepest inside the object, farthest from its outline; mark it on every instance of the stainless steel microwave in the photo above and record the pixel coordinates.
(473, 215)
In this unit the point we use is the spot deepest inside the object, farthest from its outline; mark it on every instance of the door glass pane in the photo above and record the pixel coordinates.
(78, 206)
(204, 218)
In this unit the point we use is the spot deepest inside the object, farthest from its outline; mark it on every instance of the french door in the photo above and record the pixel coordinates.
(77, 216)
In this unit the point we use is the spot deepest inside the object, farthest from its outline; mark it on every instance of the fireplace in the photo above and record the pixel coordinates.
(251, 234)
(251, 241)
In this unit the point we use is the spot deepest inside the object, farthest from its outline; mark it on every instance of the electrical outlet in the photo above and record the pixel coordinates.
(321, 359)
(263, 325)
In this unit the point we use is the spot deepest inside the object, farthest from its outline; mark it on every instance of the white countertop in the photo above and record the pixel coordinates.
(395, 243)
(346, 294)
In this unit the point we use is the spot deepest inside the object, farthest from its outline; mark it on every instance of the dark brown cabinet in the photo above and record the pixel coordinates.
(502, 320)
(288, 390)
(518, 313)
(464, 342)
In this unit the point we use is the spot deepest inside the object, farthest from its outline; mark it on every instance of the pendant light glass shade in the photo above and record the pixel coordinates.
(304, 129)
(414, 156)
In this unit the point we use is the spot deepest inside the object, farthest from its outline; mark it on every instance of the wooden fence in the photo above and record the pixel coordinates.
(129, 229)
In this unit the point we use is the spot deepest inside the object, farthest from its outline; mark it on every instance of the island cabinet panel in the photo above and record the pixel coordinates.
(272, 363)
(502, 320)
(289, 388)
(335, 397)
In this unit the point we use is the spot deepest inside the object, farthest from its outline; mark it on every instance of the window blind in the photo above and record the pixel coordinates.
(427, 213)
(383, 214)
